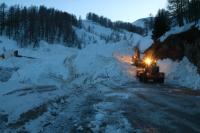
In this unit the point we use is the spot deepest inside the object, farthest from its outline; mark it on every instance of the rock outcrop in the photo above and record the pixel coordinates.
(177, 46)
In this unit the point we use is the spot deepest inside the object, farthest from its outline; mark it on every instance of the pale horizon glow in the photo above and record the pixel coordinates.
(123, 10)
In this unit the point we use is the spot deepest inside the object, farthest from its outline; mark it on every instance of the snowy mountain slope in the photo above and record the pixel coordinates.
(141, 22)
(93, 33)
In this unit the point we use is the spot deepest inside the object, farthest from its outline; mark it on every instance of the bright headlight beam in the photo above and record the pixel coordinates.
(148, 61)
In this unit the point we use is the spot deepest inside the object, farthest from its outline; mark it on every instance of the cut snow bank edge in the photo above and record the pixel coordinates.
(181, 73)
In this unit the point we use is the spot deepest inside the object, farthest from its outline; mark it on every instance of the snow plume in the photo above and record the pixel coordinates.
(182, 73)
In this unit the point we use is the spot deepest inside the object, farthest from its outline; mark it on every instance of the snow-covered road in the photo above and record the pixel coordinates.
(110, 107)
(130, 107)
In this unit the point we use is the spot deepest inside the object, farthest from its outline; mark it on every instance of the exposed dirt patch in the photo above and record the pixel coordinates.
(177, 46)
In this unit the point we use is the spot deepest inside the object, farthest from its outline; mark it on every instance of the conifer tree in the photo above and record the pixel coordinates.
(161, 24)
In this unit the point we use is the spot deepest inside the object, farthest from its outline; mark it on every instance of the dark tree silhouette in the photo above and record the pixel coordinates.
(184, 10)
(178, 10)
(194, 11)
(2, 17)
(161, 24)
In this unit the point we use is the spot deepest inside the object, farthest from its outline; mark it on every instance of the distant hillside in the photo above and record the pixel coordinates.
(145, 23)
(118, 25)
(141, 22)
(30, 25)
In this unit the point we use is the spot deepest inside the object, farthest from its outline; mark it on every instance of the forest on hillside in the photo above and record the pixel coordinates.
(115, 25)
(30, 25)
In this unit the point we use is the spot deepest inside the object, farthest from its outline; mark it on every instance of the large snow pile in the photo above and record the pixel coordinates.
(32, 81)
(145, 42)
(181, 73)
(97, 61)
(40, 69)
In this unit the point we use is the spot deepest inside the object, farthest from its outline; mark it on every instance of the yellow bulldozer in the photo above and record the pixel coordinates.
(147, 69)
(136, 57)
(150, 71)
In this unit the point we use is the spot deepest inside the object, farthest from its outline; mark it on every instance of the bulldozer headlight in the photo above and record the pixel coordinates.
(148, 61)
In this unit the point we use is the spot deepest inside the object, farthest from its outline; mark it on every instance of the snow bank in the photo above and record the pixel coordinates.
(97, 61)
(145, 42)
(7, 44)
(48, 61)
(182, 73)
(35, 81)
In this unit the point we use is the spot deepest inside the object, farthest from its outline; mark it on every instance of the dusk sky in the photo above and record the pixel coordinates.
(125, 10)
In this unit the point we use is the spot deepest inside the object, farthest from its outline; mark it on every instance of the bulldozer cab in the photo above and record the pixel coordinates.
(136, 52)
(136, 55)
